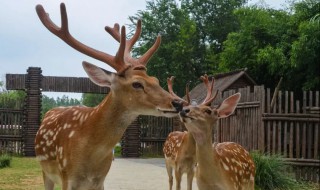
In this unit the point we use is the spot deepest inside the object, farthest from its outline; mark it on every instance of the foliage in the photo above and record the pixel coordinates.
(5, 160)
(188, 32)
(275, 43)
(12, 99)
(92, 100)
(257, 45)
(204, 36)
(271, 173)
(49, 103)
(117, 151)
(305, 49)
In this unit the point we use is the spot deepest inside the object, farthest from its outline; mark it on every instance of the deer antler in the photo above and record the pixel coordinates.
(122, 57)
(170, 82)
(143, 60)
(209, 98)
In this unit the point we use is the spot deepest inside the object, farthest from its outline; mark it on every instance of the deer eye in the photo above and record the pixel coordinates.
(137, 85)
(208, 111)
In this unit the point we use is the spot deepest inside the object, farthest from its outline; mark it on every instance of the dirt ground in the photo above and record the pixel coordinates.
(140, 174)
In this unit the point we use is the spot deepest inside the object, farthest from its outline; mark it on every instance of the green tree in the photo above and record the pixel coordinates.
(13, 99)
(275, 43)
(305, 55)
(177, 53)
(49, 103)
(189, 31)
(258, 44)
(92, 100)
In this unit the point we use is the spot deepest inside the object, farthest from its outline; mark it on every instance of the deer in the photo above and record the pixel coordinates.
(179, 149)
(74, 144)
(221, 166)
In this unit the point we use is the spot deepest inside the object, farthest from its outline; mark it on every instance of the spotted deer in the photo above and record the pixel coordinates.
(180, 151)
(220, 166)
(74, 144)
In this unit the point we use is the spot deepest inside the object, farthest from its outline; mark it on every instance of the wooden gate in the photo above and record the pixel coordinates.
(34, 83)
(154, 131)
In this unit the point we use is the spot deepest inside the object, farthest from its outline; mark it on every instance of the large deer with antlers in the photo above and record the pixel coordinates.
(74, 144)
(220, 166)
(180, 150)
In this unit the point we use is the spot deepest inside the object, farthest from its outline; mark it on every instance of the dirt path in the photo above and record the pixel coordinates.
(140, 174)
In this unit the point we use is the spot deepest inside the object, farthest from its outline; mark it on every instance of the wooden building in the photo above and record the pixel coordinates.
(223, 81)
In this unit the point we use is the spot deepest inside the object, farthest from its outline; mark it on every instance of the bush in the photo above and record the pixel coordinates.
(5, 160)
(272, 173)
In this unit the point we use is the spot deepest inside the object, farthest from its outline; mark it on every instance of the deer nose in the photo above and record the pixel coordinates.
(177, 104)
(184, 112)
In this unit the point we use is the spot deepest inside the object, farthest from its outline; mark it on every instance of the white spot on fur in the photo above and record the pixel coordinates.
(64, 162)
(71, 134)
(41, 157)
(251, 177)
(65, 126)
(224, 166)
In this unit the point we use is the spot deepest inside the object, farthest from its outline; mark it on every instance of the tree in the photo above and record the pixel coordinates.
(92, 100)
(177, 53)
(13, 99)
(49, 103)
(275, 43)
(305, 49)
(188, 32)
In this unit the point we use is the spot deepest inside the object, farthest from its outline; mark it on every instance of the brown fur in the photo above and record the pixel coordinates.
(220, 166)
(180, 154)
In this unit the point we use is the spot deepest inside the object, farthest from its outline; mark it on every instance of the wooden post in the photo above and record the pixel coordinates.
(275, 94)
(32, 108)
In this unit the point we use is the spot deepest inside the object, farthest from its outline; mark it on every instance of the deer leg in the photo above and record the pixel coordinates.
(169, 171)
(190, 175)
(48, 183)
(178, 175)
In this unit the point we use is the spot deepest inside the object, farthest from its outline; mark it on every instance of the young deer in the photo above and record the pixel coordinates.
(220, 165)
(180, 151)
(74, 144)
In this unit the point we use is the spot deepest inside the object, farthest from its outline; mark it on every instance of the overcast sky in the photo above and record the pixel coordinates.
(25, 42)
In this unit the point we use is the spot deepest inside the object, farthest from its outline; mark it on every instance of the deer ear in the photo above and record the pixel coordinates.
(97, 75)
(228, 105)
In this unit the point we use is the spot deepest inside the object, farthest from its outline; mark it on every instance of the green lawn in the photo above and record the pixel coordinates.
(23, 174)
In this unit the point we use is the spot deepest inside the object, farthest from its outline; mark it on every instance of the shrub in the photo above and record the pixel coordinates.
(5, 160)
(272, 173)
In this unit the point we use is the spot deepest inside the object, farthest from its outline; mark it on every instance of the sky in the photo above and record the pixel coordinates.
(25, 42)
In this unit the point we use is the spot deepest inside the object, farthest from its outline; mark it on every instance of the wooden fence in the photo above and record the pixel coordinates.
(245, 125)
(290, 128)
(11, 131)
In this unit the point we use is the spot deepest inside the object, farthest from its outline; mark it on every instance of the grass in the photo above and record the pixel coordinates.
(5, 160)
(23, 174)
(272, 173)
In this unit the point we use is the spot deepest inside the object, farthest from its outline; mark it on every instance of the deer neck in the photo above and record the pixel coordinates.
(207, 168)
(110, 120)
(190, 145)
